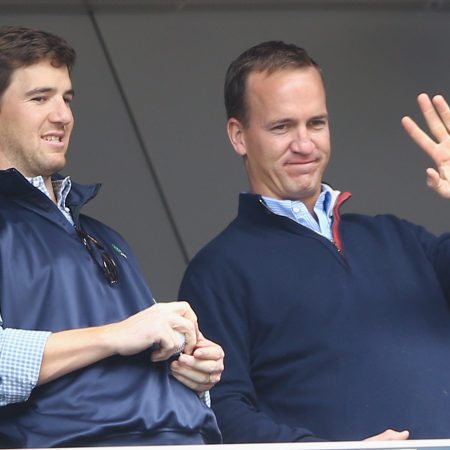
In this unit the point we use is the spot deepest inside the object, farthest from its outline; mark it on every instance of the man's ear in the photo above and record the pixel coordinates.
(236, 134)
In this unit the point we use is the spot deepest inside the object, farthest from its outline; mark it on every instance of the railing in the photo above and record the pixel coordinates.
(426, 444)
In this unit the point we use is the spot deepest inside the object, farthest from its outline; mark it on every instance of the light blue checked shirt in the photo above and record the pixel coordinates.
(61, 189)
(21, 350)
(298, 212)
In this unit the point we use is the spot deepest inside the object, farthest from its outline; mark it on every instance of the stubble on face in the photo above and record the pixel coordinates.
(35, 120)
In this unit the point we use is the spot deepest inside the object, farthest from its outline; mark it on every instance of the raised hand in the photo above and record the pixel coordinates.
(436, 112)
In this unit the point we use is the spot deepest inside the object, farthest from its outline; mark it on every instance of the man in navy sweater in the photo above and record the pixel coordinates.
(335, 327)
(86, 356)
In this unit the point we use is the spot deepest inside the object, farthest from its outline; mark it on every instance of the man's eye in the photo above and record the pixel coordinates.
(39, 99)
(281, 128)
(68, 100)
(317, 124)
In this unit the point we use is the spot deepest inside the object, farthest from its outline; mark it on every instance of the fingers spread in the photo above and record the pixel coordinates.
(418, 136)
(433, 116)
(443, 109)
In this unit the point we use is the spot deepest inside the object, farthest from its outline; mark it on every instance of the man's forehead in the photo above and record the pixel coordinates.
(285, 94)
(39, 68)
(281, 85)
(267, 77)
(41, 74)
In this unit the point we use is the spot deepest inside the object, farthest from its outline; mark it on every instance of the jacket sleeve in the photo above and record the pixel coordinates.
(217, 295)
(21, 354)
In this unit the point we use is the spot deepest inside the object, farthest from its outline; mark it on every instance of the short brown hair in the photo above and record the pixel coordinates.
(21, 47)
(265, 57)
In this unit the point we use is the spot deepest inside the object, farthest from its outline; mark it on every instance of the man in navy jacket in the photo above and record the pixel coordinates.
(84, 349)
(335, 327)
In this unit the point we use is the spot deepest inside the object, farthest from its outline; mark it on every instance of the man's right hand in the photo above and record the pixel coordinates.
(159, 325)
(390, 435)
(156, 326)
(436, 112)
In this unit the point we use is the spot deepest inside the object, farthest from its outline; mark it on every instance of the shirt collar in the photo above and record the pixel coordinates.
(325, 202)
(61, 188)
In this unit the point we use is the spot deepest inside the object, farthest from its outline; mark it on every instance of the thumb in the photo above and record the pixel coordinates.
(438, 183)
(433, 179)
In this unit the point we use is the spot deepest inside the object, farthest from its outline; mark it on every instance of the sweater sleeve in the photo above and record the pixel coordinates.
(437, 250)
(217, 295)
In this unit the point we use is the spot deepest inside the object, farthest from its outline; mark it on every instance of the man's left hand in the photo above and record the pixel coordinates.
(201, 370)
(436, 112)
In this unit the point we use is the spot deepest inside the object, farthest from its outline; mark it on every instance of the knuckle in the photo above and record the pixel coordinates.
(215, 379)
(183, 304)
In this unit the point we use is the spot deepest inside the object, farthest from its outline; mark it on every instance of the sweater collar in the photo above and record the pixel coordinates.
(252, 207)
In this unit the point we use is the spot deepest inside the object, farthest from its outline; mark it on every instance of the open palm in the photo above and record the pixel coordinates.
(436, 112)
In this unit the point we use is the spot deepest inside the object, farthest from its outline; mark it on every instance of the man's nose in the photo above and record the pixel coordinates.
(301, 142)
(61, 113)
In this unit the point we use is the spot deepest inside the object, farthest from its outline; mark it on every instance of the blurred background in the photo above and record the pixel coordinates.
(150, 121)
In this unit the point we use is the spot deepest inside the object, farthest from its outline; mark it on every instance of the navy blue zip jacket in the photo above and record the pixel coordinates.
(48, 281)
(324, 342)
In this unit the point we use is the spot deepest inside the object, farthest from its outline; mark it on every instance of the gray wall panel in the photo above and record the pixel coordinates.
(375, 62)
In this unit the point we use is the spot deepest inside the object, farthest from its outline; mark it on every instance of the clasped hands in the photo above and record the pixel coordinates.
(199, 366)
(436, 112)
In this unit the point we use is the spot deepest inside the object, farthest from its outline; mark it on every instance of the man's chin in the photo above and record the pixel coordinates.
(306, 188)
(51, 169)
(57, 164)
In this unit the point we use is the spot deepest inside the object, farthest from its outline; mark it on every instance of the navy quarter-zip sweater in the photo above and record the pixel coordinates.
(322, 343)
(48, 281)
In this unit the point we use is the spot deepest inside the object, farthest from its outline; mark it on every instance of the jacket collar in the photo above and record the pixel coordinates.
(15, 186)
